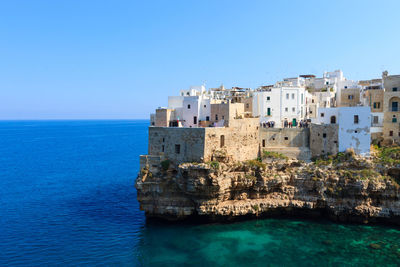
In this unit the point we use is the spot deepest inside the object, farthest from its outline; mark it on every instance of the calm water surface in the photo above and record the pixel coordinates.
(67, 197)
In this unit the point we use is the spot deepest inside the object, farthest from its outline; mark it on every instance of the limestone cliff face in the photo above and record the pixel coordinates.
(353, 189)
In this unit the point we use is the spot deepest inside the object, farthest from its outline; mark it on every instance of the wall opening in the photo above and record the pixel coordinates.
(222, 141)
(194, 120)
(263, 143)
(333, 119)
(177, 149)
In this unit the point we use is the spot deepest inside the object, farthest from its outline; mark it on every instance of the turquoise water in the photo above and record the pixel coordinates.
(67, 198)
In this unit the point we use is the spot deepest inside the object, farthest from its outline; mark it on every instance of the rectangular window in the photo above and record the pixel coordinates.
(324, 135)
(394, 89)
(350, 97)
(376, 119)
(378, 104)
(293, 109)
(292, 96)
(177, 149)
(268, 111)
(355, 119)
(188, 106)
(263, 143)
(247, 105)
(268, 98)
(286, 109)
(223, 117)
(375, 105)
(391, 133)
(322, 114)
(162, 148)
(216, 117)
(207, 118)
(194, 120)
(287, 96)
(394, 119)
(395, 106)
(205, 106)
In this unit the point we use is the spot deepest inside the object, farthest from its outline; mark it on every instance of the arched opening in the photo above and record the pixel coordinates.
(222, 141)
(333, 119)
(394, 104)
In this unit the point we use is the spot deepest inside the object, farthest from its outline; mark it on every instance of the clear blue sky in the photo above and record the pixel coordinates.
(121, 59)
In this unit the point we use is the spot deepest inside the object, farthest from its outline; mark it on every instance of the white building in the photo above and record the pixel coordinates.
(279, 104)
(191, 106)
(354, 127)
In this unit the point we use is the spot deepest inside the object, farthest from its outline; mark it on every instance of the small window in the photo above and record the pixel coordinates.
(287, 96)
(327, 83)
(376, 119)
(286, 109)
(205, 106)
(292, 96)
(194, 120)
(162, 148)
(391, 133)
(394, 89)
(223, 117)
(268, 98)
(355, 131)
(268, 111)
(293, 109)
(207, 118)
(350, 97)
(322, 114)
(312, 100)
(216, 117)
(247, 105)
(355, 119)
(394, 119)
(177, 149)
(222, 140)
(399, 133)
(310, 111)
(378, 104)
(324, 135)
(263, 143)
(188, 106)
(374, 104)
(286, 138)
(163, 139)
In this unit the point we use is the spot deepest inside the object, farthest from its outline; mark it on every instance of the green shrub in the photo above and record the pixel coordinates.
(256, 164)
(273, 154)
(165, 164)
(214, 164)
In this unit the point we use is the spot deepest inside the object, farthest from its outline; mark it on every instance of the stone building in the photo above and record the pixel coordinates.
(349, 97)
(391, 108)
(374, 99)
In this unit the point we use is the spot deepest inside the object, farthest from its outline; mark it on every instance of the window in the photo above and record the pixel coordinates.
(377, 104)
(205, 106)
(391, 133)
(333, 119)
(327, 83)
(247, 105)
(194, 120)
(324, 135)
(268, 98)
(302, 99)
(376, 119)
(216, 117)
(395, 106)
(394, 89)
(177, 149)
(208, 118)
(268, 111)
(163, 139)
(188, 106)
(286, 109)
(322, 114)
(355, 119)
(350, 97)
(394, 119)
(162, 148)
(222, 140)
(286, 138)
(287, 96)
(263, 143)
(293, 109)
(345, 87)
(310, 111)
(312, 100)
(223, 117)
(292, 96)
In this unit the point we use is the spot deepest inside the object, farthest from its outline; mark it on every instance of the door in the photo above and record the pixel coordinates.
(294, 122)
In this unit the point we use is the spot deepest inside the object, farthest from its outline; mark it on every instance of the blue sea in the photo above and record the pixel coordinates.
(67, 198)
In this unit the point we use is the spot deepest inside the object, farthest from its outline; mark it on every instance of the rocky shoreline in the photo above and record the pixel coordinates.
(344, 188)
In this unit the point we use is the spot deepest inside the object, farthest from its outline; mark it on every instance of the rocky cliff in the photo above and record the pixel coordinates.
(344, 188)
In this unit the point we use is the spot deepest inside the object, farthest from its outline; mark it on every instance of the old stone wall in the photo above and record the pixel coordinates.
(284, 137)
(177, 144)
(324, 139)
(238, 142)
(349, 97)
(163, 117)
